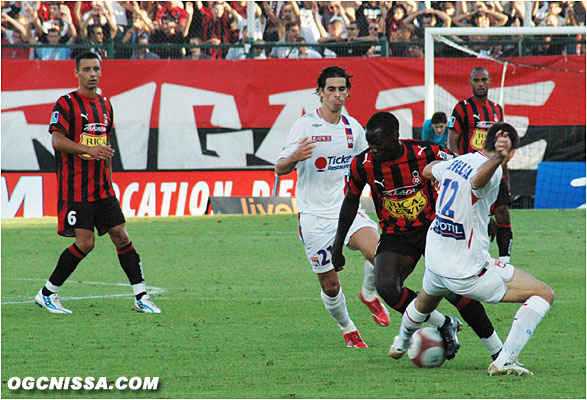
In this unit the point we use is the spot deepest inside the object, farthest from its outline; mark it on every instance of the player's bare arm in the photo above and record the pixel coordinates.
(348, 211)
(453, 141)
(427, 171)
(63, 144)
(503, 146)
(287, 164)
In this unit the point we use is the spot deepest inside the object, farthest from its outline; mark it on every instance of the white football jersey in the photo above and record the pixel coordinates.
(322, 178)
(457, 243)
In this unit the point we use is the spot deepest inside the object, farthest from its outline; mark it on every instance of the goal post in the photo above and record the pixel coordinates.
(430, 34)
(538, 78)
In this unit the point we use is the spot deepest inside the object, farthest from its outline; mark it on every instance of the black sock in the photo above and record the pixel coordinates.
(407, 297)
(505, 238)
(67, 263)
(131, 263)
(473, 313)
(140, 295)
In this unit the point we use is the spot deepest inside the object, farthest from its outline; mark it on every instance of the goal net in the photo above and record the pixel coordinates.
(538, 77)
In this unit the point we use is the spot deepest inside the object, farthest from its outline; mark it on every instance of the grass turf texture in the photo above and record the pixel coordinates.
(242, 316)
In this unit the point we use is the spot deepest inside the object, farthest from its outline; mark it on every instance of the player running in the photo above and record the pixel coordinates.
(321, 145)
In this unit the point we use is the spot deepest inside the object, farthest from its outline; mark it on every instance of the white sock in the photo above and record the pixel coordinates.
(492, 343)
(411, 321)
(336, 306)
(52, 288)
(139, 288)
(368, 288)
(525, 322)
(505, 259)
(436, 319)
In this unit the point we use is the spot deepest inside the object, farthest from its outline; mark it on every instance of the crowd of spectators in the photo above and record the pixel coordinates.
(283, 29)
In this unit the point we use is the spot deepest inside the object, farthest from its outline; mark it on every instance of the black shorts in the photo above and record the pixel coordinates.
(504, 197)
(101, 214)
(409, 244)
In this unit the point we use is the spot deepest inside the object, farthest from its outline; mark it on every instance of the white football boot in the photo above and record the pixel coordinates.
(146, 305)
(51, 303)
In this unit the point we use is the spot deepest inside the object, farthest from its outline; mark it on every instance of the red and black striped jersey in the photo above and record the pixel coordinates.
(472, 119)
(403, 198)
(89, 122)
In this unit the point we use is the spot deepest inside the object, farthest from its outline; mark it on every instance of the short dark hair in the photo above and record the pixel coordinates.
(478, 69)
(438, 118)
(383, 120)
(333, 72)
(87, 55)
(492, 132)
(290, 25)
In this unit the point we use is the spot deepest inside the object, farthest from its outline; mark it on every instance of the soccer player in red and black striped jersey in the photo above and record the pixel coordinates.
(81, 124)
(471, 119)
(405, 202)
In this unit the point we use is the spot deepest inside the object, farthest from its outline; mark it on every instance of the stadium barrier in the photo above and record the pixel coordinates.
(193, 122)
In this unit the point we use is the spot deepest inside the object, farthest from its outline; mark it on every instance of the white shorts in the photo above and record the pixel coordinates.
(318, 233)
(487, 287)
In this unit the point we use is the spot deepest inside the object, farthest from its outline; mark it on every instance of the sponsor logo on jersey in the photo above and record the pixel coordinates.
(95, 127)
(316, 125)
(443, 155)
(478, 139)
(483, 124)
(332, 163)
(399, 192)
(408, 208)
(416, 177)
(91, 141)
(448, 228)
(322, 138)
(54, 117)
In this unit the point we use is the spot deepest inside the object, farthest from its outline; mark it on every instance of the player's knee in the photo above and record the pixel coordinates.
(502, 215)
(331, 290)
(390, 290)
(86, 244)
(545, 292)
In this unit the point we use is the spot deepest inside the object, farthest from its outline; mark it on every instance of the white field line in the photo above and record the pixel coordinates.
(152, 290)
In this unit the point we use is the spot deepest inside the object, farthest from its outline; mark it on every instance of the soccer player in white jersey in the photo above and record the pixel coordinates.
(457, 250)
(321, 145)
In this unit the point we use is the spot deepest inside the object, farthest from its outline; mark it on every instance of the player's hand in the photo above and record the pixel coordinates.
(304, 151)
(101, 152)
(492, 229)
(503, 144)
(338, 261)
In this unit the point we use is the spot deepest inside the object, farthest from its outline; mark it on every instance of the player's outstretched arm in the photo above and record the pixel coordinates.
(348, 212)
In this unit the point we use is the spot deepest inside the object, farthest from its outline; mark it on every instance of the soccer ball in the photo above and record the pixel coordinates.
(427, 348)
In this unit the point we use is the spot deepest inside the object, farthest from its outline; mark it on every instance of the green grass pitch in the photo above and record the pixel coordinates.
(242, 316)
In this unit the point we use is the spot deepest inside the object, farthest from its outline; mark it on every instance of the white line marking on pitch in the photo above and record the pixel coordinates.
(152, 290)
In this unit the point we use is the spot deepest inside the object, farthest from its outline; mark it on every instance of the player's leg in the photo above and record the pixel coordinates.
(416, 313)
(317, 235)
(365, 239)
(396, 258)
(74, 219)
(474, 314)
(335, 303)
(504, 235)
(537, 298)
(112, 221)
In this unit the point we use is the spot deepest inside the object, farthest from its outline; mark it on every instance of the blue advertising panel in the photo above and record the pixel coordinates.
(560, 185)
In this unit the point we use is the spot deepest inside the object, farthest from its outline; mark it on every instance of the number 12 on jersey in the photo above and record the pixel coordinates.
(448, 186)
